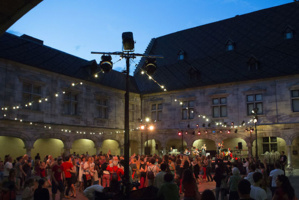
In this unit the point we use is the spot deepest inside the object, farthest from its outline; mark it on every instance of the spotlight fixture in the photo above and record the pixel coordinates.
(203, 125)
(243, 123)
(180, 133)
(198, 133)
(236, 130)
(106, 63)
(228, 131)
(232, 124)
(150, 66)
(209, 124)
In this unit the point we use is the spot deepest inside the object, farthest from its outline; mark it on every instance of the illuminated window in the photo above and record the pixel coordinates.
(269, 144)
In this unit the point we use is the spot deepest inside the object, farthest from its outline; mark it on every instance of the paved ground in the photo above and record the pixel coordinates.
(294, 179)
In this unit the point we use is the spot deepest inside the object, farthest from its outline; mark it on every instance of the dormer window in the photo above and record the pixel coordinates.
(253, 64)
(288, 33)
(230, 45)
(194, 74)
(181, 55)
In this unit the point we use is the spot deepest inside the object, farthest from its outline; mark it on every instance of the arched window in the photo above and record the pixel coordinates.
(288, 33)
(230, 45)
(181, 55)
(253, 64)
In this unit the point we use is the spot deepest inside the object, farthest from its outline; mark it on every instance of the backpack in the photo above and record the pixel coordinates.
(150, 174)
(114, 175)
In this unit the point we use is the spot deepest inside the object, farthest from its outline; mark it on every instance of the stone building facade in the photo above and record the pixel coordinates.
(51, 103)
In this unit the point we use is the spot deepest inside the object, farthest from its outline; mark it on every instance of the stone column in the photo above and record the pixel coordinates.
(289, 153)
(29, 147)
(249, 145)
(98, 146)
(67, 147)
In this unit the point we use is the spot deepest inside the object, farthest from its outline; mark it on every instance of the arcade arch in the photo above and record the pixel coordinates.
(13, 146)
(154, 146)
(267, 144)
(175, 145)
(81, 146)
(47, 146)
(210, 144)
(133, 147)
(237, 146)
(111, 145)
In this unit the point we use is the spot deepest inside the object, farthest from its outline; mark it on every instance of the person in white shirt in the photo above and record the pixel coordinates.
(256, 191)
(7, 166)
(272, 176)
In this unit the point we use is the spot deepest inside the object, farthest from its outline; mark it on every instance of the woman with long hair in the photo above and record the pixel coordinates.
(284, 190)
(189, 185)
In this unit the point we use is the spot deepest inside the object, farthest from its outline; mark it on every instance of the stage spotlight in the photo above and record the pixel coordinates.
(128, 41)
(150, 66)
(106, 63)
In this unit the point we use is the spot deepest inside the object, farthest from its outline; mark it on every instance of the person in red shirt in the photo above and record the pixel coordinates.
(67, 167)
(57, 179)
(115, 169)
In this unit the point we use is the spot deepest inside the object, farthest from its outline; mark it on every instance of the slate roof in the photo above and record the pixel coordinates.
(258, 35)
(32, 52)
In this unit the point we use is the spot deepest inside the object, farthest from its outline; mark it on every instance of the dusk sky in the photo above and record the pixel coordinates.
(78, 27)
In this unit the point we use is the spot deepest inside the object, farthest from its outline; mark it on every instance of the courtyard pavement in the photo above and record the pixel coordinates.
(293, 177)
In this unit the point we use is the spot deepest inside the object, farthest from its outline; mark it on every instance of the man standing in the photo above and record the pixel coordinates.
(57, 180)
(283, 161)
(256, 191)
(67, 167)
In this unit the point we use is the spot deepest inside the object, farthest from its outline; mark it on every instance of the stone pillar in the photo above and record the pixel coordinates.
(67, 147)
(249, 145)
(28, 151)
(164, 150)
(29, 147)
(289, 153)
(98, 146)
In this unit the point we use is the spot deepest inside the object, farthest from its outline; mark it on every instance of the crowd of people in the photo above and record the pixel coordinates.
(174, 176)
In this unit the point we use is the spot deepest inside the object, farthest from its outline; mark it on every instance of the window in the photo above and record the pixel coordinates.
(219, 107)
(132, 112)
(295, 100)
(288, 33)
(31, 94)
(156, 112)
(254, 100)
(253, 64)
(230, 45)
(102, 108)
(188, 110)
(181, 55)
(70, 104)
(269, 144)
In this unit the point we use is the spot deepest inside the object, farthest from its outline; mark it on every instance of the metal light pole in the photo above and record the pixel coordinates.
(106, 66)
(255, 118)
